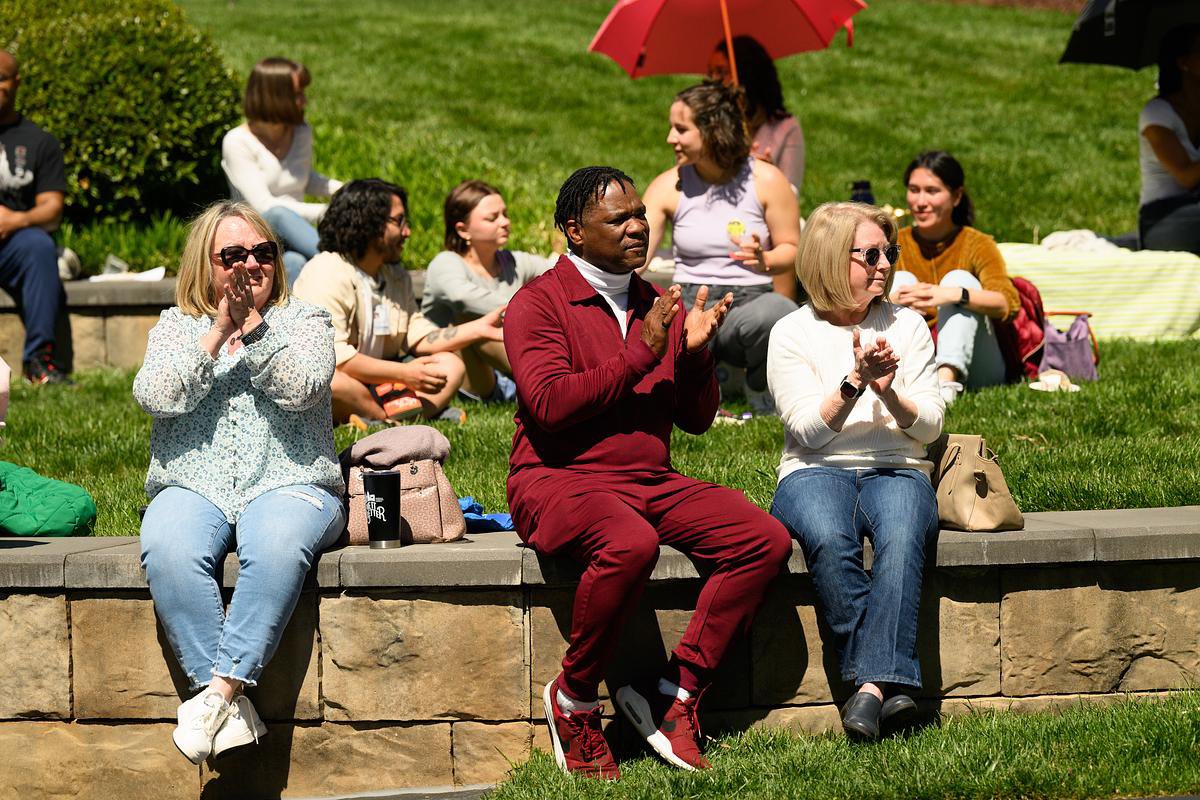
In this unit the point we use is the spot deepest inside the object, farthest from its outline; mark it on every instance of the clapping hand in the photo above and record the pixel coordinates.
(701, 325)
(656, 326)
(875, 363)
(235, 307)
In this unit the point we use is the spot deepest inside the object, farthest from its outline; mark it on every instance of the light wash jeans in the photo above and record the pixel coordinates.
(299, 239)
(873, 617)
(966, 340)
(184, 542)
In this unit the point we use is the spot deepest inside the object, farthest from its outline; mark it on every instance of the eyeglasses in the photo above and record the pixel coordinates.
(871, 254)
(263, 252)
(401, 220)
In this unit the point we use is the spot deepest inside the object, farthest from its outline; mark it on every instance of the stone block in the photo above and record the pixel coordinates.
(331, 759)
(485, 753)
(391, 656)
(792, 655)
(93, 762)
(647, 641)
(87, 336)
(37, 562)
(958, 638)
(12, 340)
(290, 686)
(35, 661)
(125, 338)
(1099, 629)
(816, 719)
(123, 666)
(489, 559)
(956, 706)
(116, 567)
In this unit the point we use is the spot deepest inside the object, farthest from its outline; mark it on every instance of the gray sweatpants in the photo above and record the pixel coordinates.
(742, 339)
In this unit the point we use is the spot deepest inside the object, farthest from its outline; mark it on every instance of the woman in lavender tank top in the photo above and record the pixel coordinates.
(734, 224)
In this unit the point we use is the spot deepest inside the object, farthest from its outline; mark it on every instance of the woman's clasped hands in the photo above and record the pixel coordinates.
(875, 363)
(236, 311)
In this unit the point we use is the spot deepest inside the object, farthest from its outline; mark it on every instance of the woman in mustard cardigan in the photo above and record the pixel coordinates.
(954, 275)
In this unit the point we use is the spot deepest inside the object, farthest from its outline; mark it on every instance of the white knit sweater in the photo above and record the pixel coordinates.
(807, 360)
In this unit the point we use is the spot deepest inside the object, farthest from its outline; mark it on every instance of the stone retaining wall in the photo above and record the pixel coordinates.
(424, 666)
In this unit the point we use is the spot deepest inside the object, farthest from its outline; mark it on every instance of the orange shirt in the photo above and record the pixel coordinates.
(969, 249)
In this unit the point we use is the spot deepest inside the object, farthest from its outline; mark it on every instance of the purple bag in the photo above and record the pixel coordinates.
(1073, 351)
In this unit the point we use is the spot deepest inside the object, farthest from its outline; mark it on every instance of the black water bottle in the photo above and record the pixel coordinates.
(860, 192)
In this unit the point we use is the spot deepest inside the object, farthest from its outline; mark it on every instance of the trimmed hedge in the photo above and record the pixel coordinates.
(138, 96)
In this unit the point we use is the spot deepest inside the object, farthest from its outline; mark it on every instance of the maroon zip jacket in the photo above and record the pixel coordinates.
(588, 401)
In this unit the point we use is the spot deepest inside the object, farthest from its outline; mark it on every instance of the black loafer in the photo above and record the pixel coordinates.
(899, 709)
(860, 716)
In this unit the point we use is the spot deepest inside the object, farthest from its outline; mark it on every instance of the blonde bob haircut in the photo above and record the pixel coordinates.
(823, 261)
(194, 288)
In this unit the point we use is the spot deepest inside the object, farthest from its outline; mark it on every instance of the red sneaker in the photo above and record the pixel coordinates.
(668, 724)
(579, 744)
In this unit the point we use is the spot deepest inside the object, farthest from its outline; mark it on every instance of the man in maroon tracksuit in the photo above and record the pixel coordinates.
(605, 365)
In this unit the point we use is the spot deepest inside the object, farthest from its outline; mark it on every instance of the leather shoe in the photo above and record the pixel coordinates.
(860, 716)
(898, 709)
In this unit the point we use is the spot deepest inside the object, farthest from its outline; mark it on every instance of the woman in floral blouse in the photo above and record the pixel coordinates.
(241, 454)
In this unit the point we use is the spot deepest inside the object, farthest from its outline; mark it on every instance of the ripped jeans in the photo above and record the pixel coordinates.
(184, 542)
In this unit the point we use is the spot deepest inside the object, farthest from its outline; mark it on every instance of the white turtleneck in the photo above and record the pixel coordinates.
(613, 288)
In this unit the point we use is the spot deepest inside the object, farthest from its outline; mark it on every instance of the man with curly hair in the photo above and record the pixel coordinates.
(32, 184)
(381, 339)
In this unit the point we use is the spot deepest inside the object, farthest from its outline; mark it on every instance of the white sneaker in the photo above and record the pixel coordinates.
(243, 726)
(950, 390)
(199, 720)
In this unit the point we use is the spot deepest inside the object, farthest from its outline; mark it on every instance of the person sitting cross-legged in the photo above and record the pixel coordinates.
(236, 378)
(376, 320)
(605, 367)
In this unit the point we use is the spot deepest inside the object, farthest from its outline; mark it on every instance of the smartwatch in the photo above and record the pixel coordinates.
(849, 390)
(965, 299)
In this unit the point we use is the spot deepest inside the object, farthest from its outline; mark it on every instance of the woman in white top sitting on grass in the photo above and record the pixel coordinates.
(854, 382)
(268, 159)
(475, 275)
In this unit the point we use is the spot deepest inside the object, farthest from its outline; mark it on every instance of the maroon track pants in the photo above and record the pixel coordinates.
(614, 523)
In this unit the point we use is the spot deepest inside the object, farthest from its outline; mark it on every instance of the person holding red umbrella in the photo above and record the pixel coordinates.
(734, 221)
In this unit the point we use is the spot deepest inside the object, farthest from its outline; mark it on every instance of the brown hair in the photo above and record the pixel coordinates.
(459, 204)
(271, 91)
(823, 259)
(717, 112)
(194, 288)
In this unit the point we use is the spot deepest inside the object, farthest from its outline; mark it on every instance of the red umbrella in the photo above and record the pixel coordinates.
(665, 37)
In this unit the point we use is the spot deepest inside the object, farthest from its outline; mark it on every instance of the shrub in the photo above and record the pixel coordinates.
(138, 97)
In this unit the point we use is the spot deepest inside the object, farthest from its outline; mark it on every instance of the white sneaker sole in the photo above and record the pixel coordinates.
(637, 711)
(184, 753)
(548, 702)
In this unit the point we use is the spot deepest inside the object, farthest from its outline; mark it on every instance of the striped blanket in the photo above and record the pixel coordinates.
(1143, 295)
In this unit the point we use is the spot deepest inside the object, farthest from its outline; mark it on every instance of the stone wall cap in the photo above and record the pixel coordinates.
(500, 560)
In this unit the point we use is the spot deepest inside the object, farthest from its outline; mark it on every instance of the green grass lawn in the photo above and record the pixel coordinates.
(1134, 748)
(1132, 440)
(429, 93)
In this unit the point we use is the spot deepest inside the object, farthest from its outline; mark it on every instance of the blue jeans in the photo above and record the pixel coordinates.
(184, 543)
(873, 617)
(966, 339)
(299, 239)
(29, 272)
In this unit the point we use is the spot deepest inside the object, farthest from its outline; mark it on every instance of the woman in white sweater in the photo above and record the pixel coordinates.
(854, 382)
(268, 159)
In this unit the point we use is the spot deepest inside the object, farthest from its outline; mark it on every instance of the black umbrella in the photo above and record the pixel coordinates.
(1126, 33)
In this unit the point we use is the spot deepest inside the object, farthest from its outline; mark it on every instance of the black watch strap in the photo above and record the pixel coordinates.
(965, 299)
(849, 390)
(260, 330)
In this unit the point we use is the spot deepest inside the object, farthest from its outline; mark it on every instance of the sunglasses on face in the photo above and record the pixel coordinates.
(263, 252)
(871, 254)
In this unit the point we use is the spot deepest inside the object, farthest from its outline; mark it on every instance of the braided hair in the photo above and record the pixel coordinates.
(582, 190)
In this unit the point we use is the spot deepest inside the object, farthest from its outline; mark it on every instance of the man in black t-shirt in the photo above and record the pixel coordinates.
(32, 184)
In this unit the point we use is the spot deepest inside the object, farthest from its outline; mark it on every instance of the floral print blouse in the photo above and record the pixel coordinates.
(258, 419)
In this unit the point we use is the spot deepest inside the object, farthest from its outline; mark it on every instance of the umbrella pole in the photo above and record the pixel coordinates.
(729, 43)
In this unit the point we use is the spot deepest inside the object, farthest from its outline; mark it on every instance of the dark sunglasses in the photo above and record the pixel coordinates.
(263, 252)
(871, 254)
